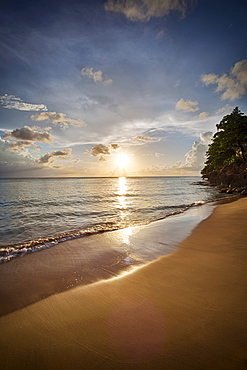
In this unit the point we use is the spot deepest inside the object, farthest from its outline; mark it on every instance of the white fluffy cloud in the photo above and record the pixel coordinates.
(58, 119)
(50, 157)
(27, 133)
(232, 85)
(12, 102)
(96, 76)
(187, 105)
(195, 158)
(143, 10)
(206, 137)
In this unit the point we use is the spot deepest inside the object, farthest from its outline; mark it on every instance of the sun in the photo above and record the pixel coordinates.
(122, 160)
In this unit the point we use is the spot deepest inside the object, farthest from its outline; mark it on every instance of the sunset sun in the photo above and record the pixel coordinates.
(122, 160)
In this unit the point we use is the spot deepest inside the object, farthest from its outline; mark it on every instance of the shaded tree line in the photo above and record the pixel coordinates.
(229, 144)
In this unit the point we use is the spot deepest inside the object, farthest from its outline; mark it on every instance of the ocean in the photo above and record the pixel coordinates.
(39, 213)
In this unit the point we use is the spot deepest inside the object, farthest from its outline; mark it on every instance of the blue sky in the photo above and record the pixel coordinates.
(110, 87)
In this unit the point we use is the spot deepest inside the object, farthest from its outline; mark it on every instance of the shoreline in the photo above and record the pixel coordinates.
(84, 261)
(187, 310)
(11, 251)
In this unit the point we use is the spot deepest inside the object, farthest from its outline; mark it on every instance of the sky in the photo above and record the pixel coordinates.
(117, 87)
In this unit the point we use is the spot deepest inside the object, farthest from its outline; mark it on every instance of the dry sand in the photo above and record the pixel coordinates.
(183, 311)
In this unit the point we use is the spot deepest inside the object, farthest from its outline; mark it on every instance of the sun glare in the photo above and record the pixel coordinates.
(122, 161)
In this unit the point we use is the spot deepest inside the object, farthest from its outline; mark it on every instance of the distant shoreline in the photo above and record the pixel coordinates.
(90, 177)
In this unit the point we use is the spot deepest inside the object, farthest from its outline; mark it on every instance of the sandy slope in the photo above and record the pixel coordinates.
(184, 311)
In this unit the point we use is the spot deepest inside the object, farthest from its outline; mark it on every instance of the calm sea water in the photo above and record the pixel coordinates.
(38, 213)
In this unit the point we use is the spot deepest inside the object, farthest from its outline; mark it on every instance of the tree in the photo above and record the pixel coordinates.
(229, 143)
(234, 126)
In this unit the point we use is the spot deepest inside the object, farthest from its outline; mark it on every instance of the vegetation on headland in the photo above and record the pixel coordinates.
(226, 164)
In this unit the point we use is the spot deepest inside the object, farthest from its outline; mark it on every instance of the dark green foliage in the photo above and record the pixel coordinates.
(229, 143)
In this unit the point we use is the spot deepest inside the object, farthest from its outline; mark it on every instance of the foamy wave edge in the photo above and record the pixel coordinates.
(9, 252)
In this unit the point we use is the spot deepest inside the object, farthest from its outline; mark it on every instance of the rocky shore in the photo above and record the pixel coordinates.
(232, 178)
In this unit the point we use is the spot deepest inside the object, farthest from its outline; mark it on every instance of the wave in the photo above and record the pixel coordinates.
(9, 252)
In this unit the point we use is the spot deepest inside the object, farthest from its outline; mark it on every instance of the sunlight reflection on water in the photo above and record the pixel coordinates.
(122, 186)
(36, 209)
(126, 235)
(122, 200)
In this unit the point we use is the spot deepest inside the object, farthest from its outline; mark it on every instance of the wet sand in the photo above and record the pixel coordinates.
(187, 310)
(30, 278)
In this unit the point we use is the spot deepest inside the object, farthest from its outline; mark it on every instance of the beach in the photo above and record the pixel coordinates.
(186, 310)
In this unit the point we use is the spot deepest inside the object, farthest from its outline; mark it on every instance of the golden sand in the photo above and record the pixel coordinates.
(183, 311)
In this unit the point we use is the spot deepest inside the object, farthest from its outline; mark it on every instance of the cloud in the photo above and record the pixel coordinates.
(143, 10)
(41, 129)
(206, 137)
(203, 115)
(12, 163)
(96, 76)
(100, 149)
(144, 138)
(156, 155)
(58, 119)
(157, 133)
(50, 157)
(195, 158)
(160, 34)
(141, 139)
(27, 133)
(20, 146)
(115, 146)
(227, 108)
(234, 84)
(187, 105)
(12, 102)
(159, 170)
